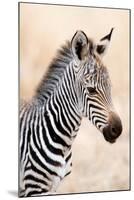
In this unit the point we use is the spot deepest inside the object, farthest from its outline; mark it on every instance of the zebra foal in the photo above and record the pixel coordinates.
(77, 84)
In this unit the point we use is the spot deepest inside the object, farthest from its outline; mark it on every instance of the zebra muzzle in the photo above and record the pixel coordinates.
(114, 128)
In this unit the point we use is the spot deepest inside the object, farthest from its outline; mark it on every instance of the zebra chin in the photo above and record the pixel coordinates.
(114, 128)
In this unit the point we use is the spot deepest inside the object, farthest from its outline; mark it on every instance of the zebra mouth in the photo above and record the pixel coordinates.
(108, 135)
(109, 139)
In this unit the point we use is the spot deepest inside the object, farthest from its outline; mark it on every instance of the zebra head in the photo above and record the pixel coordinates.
(93, 84)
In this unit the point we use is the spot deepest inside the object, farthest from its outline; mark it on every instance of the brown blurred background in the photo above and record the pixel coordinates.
(97, 165)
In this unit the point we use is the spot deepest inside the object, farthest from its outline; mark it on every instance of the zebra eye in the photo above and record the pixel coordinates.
(92, 90)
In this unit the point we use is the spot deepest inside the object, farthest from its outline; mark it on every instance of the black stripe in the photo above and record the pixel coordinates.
(37, 128)
(35, 133)
(99, 126)
(30, 185)
(68, 157)
(67, 173)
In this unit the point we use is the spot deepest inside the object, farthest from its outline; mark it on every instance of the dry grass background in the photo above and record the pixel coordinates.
(97, 165)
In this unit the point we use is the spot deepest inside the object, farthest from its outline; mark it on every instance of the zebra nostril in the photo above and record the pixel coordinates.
(114, 131)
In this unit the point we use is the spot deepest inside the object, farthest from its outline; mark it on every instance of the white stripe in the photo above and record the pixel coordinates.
(35, 126)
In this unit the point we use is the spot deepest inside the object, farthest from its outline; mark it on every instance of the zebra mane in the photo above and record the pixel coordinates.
(55, 71)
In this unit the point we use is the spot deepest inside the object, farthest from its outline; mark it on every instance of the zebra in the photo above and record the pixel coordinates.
(76, 85)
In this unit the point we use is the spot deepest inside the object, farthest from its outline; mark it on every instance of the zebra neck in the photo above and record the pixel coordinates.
(62, 122)
(63, 107)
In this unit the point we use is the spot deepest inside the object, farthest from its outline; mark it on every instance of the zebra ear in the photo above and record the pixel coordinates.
(80, 46)
(103, 45)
